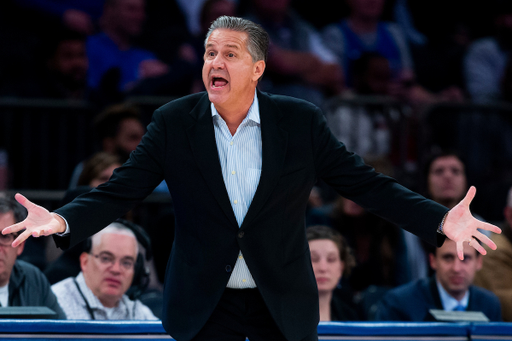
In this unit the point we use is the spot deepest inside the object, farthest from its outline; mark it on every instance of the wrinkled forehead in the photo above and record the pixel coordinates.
(224, 37)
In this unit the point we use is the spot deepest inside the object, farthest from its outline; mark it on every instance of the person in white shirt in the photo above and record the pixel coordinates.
(98, 292)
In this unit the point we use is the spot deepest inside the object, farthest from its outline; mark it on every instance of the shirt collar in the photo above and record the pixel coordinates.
(253, 114)
(449, 303)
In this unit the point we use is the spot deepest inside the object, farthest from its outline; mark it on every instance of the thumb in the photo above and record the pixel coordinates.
(24, 201)
(469, 196)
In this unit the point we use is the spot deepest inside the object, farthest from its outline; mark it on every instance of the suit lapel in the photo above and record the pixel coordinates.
(274, 141)
(202, 140)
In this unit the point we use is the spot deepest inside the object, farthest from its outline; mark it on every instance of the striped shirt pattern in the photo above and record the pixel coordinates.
(240, 160)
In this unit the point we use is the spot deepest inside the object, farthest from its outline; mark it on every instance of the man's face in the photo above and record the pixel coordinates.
(8, 254)
(327, 265)
(129, 135)
(447, 179)
(109, 282)
(229, 74)
(70, 60)
(455, 275)
(129, 16)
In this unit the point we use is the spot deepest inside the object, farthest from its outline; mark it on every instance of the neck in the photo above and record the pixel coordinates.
(324, 299)
(449, 203)
(109, 302)
(234, 116)
(361, 25)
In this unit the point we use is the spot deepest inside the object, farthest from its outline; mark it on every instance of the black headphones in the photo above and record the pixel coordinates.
(141, 271)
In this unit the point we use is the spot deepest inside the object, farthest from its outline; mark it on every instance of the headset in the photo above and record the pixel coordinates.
(141, 270)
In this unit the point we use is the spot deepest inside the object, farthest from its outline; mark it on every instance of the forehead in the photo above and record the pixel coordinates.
(117, 243)
(323, 245)
(223, 37)
(450, 248)
(447, 161)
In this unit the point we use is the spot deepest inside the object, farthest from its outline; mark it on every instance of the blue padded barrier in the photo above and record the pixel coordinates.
(491, 331)
(153, 330)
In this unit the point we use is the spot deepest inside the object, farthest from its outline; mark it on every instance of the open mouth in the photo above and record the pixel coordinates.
(219, 82)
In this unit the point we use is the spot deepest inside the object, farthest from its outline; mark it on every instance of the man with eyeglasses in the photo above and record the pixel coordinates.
(21, 283)
(98, 292)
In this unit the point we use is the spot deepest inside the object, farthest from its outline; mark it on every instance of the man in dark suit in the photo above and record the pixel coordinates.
(450, 289)
(240, 165)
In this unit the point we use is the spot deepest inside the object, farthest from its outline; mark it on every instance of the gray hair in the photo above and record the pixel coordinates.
(8, 205)
(113, 228)
(258, 41)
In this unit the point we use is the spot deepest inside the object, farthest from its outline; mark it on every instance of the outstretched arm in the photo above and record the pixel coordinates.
(39, 222)
(460, 226)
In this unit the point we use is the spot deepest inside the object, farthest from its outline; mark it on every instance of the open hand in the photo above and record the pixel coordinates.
(39, 222)
(460, 226)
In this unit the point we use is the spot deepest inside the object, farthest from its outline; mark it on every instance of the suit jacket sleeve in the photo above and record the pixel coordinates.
(379, 194)
(92, 211)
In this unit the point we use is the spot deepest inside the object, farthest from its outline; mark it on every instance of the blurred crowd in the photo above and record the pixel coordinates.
(410, 53)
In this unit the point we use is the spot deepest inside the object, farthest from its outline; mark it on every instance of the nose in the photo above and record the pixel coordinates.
(116, 267)
(218, 62)
(457, 265)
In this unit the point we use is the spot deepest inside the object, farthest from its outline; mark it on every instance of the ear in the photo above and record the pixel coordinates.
(432, 261)
(507, 212)
(20, 249)
(259, 68)
(84, 259)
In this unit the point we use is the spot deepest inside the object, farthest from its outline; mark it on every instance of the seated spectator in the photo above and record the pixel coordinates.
(331, 258)
(377, 245)
(108, 267)
(115, 64)
(298, 64)
(365, 129)
(21, 284)
(62, 73)
(486, 58)
(98, 169)
(450, 289)
(120, 130)
(496, 273)
(364, 31)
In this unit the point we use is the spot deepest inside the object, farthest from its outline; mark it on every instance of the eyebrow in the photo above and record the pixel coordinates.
(228, 45)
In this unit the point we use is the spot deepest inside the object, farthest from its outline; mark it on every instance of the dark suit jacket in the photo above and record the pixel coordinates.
(297, 149)
(412, 301)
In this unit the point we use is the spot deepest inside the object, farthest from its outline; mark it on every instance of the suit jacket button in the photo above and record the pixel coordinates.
(228, 268)
(241, 234)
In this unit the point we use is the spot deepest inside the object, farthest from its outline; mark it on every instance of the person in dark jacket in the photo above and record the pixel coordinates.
(21, 283)
(450, 289)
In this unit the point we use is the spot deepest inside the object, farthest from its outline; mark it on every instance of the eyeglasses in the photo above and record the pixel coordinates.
(7, 239)
(105, 258)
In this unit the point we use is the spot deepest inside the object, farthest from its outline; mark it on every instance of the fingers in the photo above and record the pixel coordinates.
(469, 196)
(21, 238)
(24, 201)
(476, 245)
(488, 227)
(14, 228)
(460, 250)
(484, 239)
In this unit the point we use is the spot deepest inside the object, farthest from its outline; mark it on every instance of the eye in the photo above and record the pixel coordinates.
(106, 259)
(231, 55)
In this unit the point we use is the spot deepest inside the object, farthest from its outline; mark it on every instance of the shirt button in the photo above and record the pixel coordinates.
(241, 234)
(233, 172)
(240, 257)
(244, 280)
(228, 268)
(231, 143)
(235, 202)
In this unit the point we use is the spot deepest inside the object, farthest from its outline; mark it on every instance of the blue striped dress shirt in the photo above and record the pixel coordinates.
(240, 160)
